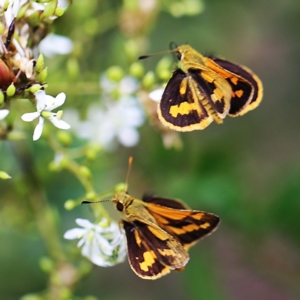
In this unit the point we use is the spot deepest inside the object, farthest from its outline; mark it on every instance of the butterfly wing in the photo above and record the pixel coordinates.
(152, 252)
(188, 226)
(165, 202)
(246, 86)
(179, 108)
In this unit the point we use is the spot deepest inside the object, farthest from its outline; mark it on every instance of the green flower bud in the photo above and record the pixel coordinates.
(4, 175)
(50, 9)
(11, 90)
(149, 79)
(5, 5)
(34, 88)
(1, 27)
(90, 196)
(115, 73)
(59, 11)
(85, 171)
(1, 97)
(70, 204)
(73, 68)
(39, 63)
(64, 137)
(193, 7)
(46, 264)
(42, 76)
(136, 69)
(22, 10)
(92, 152)
(54, 167)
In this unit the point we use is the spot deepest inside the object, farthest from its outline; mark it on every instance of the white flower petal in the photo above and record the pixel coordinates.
(59, 100)
(54, 44)
(59, 123)
(63, 3)
(3, 113)
(40, 97)
(84, 223)
(128, 85)
(128, 137)
(74, 233)
(38, 129)
(28, 117)
(156, 95)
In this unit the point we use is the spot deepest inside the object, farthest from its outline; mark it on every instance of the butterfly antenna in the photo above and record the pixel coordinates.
(158, 53)
(130, 160)
(91, 202)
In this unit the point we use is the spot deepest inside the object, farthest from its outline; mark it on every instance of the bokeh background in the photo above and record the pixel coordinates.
(246, 170)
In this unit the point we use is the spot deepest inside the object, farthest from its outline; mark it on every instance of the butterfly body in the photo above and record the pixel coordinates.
(206, 89)
(159, 232)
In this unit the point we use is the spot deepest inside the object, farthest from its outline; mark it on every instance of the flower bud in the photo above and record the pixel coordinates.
(136, 69)
(115, 73)
(50, 9)
(11, 90)
(4, 175)
(90, 196)
(39, 63)
(85, 171)
(42, 76)
(149, 79)
(59, 11)
(34, 88)
(70, 204)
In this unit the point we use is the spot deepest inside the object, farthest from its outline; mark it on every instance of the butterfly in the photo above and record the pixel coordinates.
(206, 89)
(159, 232)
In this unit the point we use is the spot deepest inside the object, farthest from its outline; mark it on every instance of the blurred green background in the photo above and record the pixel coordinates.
(247, 170)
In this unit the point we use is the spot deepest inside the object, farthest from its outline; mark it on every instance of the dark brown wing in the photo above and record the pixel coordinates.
(152, 253)
(240, 105)
(179, 108)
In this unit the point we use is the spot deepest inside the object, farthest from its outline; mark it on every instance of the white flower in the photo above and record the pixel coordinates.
(128, 85)
(44, 105)
(54, 44)
(103, 244)
(118, 122)
(156, 94)
(12, 9)
(3, 113)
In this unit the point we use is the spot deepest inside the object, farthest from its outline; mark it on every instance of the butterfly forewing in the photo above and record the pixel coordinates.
(194, 99)
(188, 226)
(178, 108)
(172, 203)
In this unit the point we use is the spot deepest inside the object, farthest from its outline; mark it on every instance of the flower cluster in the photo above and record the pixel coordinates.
(116, 120)
(103, 244)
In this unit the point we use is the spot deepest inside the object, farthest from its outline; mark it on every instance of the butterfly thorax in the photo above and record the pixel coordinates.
(132, 209)
(189, 58)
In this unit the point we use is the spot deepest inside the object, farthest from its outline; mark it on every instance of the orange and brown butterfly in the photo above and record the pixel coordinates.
(160, 231)
(205, 89)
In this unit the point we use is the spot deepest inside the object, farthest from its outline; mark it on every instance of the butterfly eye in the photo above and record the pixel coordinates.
(178, 54)
(120, 206)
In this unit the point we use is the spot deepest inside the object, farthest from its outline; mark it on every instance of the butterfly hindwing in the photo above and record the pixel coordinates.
(246, 86)
(152, 252)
